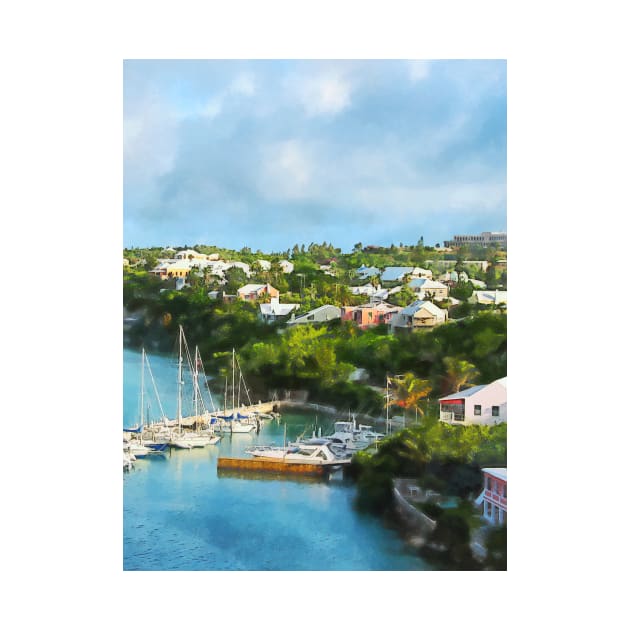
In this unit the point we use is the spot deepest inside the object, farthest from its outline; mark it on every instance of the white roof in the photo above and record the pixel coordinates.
(491, 297)
(251, 288)
(426, 283)
(368, 289)
(414, 307)
(465, 393)
(277, 309)
(499, 473)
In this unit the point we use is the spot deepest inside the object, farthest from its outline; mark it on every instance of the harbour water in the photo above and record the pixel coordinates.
(179, 514)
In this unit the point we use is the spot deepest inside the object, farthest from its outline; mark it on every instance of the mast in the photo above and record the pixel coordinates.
(387, 404)
(196, 384)
(179, 380)
(233, 366)
(142, 392)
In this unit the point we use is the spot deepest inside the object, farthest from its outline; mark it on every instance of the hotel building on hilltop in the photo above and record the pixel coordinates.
(484, 240)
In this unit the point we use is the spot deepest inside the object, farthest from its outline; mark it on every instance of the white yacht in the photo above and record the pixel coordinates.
(314, 451)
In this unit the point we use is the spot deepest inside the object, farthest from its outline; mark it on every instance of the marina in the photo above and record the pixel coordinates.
(184, 512)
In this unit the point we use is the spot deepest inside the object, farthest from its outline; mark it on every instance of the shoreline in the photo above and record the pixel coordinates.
(327, 409)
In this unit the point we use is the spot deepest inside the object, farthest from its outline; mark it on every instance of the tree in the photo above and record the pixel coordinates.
(409, 391)
(458, 373)
(236, 278)
(357, 247)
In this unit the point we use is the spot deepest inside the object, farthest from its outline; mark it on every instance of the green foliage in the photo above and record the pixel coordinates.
(496, 545)
(462, 291)
(404, 297)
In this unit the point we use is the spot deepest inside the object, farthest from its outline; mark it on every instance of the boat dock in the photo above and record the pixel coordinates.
(271, 465)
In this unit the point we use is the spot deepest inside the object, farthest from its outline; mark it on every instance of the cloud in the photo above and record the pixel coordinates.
(418, 70)
(213, 107)
(258, 153)
(243, 84)
(325, 94)
(287, 170)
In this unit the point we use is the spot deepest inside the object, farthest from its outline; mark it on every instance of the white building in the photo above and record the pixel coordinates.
(274, 311)
(240, 265)
(484, 239)
(482, 404)
(426, 287)
(287, 267)
(317, 315)
(265, 265)
(489, 297)
(419, 314)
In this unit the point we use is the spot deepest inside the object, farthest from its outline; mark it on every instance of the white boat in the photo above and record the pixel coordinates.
(128, 460)
(365, 432)
(182, 437)
(314, 451)
(234, 421)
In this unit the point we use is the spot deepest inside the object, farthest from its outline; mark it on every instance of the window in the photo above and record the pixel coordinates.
(495, 411)
(488, 483)
(505, 491)
(477, 410)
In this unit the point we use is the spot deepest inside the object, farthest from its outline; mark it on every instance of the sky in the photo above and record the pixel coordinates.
(267, 154)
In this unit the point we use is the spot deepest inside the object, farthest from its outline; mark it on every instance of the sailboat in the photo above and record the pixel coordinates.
(231, 423)
(184, 438)
(134, 442)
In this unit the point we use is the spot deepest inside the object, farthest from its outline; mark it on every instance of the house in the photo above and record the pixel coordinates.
(265, 265)
(189, 254)
(489, 297)
(274, 311)
(329, 270)
(426, 287)
(364, 272)
(482, 404)
(368, 315)
(423, 273)
(287, 267)
(239, 265)
(478, 284)
(317, 315)
(381, 295)
(125, 262)
(366, 289)
(172, 268)
(396, 274)
(419, 314)
(257, 291)
(494, 495)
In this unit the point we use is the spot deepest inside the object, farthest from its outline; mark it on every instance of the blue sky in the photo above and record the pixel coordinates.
(267, 154)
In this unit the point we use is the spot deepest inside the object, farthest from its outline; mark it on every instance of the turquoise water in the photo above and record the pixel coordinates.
(179, 514)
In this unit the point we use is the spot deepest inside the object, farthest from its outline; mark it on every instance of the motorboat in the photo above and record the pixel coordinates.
(314, 451)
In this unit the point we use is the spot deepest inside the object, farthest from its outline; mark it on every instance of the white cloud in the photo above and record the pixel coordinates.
(213, 107)
(243, 84)
(418, 70)
(287, 171)
(325, 94)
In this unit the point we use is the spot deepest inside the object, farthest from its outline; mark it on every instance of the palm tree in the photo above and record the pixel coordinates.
(409, 391)
(459, 372)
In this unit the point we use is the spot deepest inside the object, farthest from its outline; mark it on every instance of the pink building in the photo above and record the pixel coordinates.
(368, 315)
(494, 495)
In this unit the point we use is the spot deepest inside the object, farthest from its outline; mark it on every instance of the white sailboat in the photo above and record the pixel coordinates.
(185, 438)
(231, 423)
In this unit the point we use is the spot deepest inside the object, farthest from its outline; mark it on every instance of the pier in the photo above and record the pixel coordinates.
(271, 465)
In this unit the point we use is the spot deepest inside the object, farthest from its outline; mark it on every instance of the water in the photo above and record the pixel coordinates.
(180, 514)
